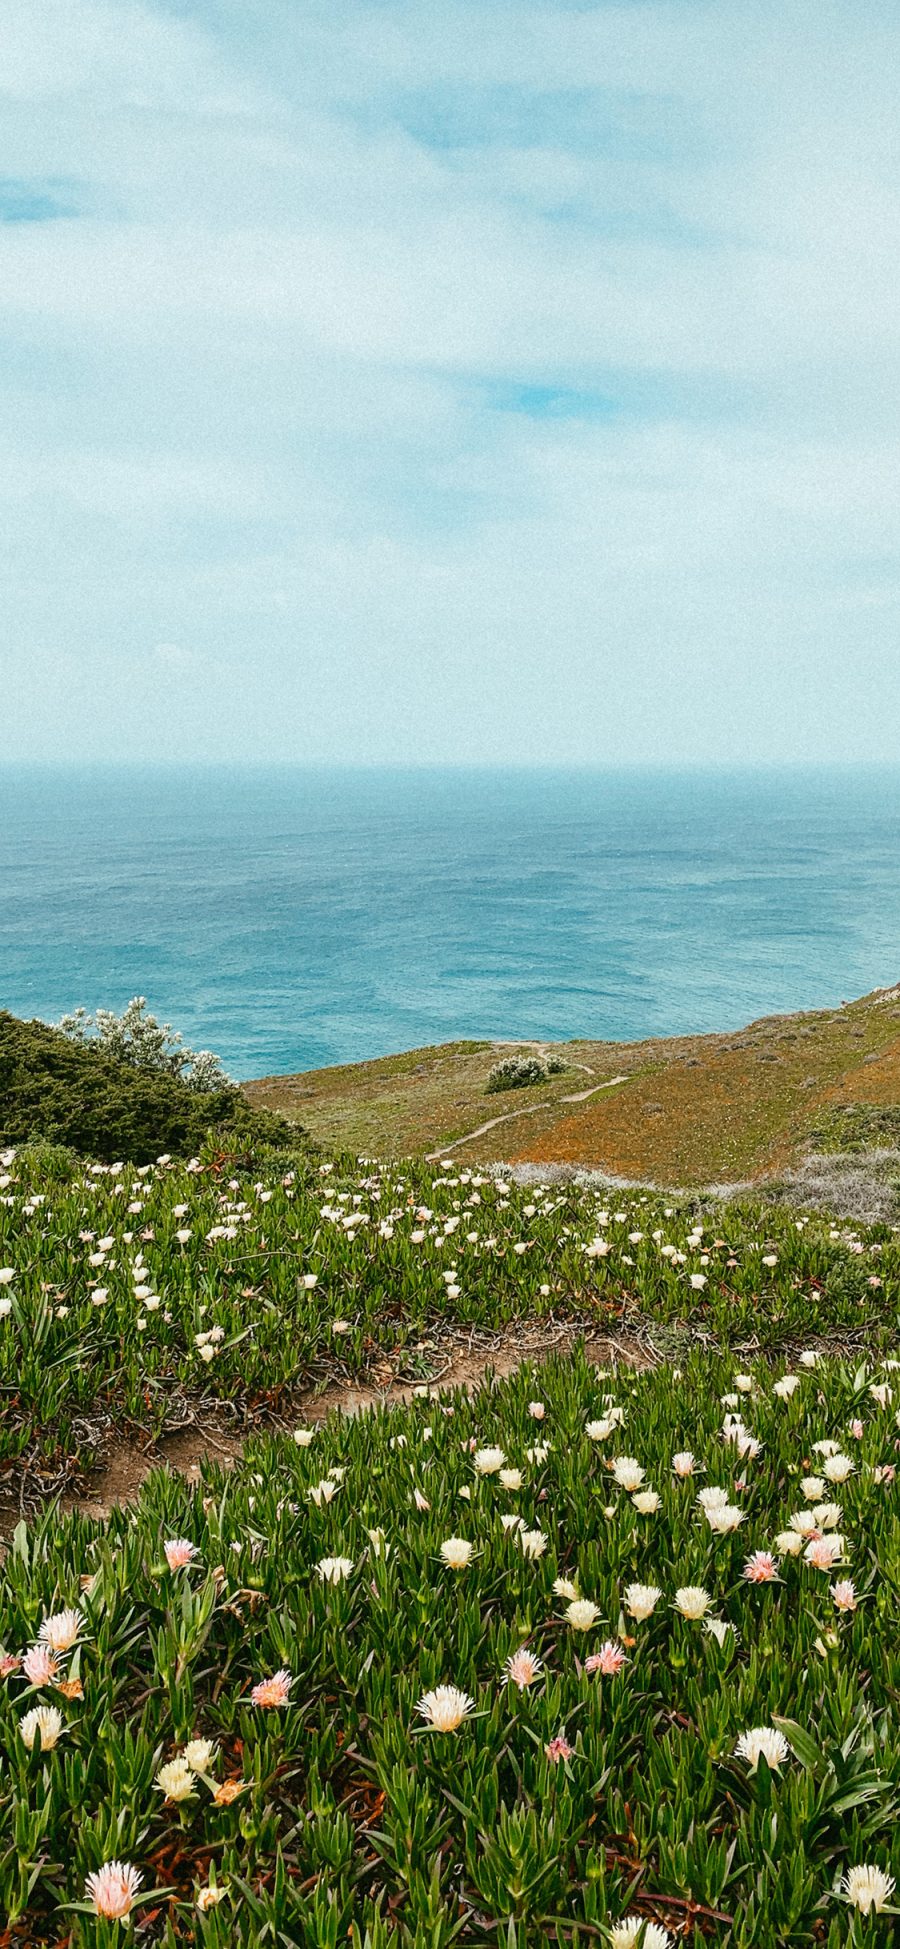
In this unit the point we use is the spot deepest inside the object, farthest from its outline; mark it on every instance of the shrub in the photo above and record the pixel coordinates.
(138, 1038)
(854, 1127)
(70, 1092)
(517, 1072)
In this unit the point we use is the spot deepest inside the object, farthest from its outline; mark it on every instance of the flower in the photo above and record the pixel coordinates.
(712, 1498)
(698, 1281)
(199, 1754)
(333, 1569)
(272, 1691)
(563, 1587)
(786, 1386)
(763, 1742)
(488, 1461)
(533, 1543)
(837, 1467)
(608, 1660)
(511, 1478)
(844, 1595)
(558, 1749)
(867, 1888)
(582, 1614)
(692, 1601)
(723, 1518)
(179, 1553)
(598, 1430)
(44, 1724)
(624, 1935)
(111, 1891)
(646, 1502)
(684, 1463)
(641, 1600)
(628, 1473)
(210, 1897)
(62, 1630)
(789, 1542)
(445, 1708)
(536, 1410)
(228, 1791)
(824, 1552)
(827, 1514)
(456, 1552)
(322, 1492)
(40, 1666)
(761, 1568)
(523, 1668)
(718, 1628)
(303, 1436)
(177, 1780)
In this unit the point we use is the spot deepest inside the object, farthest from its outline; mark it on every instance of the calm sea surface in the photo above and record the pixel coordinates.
(290, 919)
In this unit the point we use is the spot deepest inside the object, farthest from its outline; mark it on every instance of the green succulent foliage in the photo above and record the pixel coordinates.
(243, 1275)
(553, 1809)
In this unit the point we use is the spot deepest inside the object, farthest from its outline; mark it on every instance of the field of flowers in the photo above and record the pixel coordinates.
(124, 1291)
(584, 1658)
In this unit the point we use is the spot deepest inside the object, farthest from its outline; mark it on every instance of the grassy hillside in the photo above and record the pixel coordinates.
(690, 1109)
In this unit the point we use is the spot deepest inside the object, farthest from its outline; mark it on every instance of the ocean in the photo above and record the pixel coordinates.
(294, 918)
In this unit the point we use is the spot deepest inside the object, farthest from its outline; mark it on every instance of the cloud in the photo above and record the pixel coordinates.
(476, 382)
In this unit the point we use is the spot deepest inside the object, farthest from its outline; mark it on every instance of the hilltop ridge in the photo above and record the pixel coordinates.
(685, 1109)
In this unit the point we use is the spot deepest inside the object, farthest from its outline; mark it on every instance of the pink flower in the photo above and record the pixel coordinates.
(523, 1668)
(9, 1663)
(112, 1890)
(179, 1553)
(273, 1691)
(761, 1568)
(857, 1430)
(885, 1473)
(559, 1749)
(39, 1665)
(608, 1660)
(844, 1595)
(823, 1552)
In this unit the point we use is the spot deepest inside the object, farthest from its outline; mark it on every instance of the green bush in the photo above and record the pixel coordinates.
(61, 1092)
(851, 1127)
(517, 1072)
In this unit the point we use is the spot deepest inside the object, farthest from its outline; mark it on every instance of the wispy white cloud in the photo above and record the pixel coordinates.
(487, 382)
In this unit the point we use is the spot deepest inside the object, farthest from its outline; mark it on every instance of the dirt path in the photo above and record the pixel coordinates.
(527, 1110)
(459, 1360)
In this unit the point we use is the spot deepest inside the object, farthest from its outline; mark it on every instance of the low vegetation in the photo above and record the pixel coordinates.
(71, 1091)
(585, 1659)
(517, 1072)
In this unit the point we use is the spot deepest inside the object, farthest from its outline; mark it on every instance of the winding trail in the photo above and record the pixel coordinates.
(527, 1110)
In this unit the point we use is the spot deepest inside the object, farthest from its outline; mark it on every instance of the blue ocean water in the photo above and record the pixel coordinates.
(290, 918)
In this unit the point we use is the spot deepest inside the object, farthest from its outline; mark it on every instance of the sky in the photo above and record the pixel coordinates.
(425, 381)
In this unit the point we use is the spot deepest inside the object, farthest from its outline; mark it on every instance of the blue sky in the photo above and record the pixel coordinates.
(449, 382)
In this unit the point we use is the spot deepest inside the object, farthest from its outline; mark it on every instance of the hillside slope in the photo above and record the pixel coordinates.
(685, 1110)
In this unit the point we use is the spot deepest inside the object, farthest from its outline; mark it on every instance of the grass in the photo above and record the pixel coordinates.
(693, 1109)
(572, 1809)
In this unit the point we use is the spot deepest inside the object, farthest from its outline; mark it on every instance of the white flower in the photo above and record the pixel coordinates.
(718, 1628)
(646, 1502)
(826, 1447)
(62, 1630)
(763, 1742)
(198, 1754)
(488, 1461)
(322, 1492)
(698, 1281)
(533, 1542)
(789, 1542)
(744, 1383)
(713, 1498)
(563, 1587)
(692, 1601)
(786, 1386)
(868, 1888)
(684, 1463)
(334, 1569)
(628, 1473)
(641, 1600)
(598, 1430)
(511, 1478)
(456, 1552)
(723, 1518)
(582, 1614)
(837, 1467)
(813, 1488)
(634, 1929)
(827, 1514)
(42, 1724)
(303, 1436)
(176, 1780)
(7, 1275)
(445, 1708)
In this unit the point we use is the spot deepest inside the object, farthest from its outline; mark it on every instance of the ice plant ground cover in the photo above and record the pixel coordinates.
(661, 1687)
(125, 1289)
